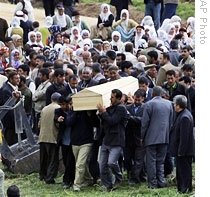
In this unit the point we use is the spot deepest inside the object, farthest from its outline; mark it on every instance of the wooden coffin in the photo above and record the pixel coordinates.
(88, 98)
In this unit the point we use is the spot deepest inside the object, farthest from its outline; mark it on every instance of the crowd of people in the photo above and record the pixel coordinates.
(148, 134)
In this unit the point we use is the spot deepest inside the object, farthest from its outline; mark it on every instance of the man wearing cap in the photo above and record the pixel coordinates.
(49, 151)
(76, 19)
(63, 20)
(96, 50)
(25, 24)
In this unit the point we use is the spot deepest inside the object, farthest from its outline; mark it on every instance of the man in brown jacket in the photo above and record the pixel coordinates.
(49, 151)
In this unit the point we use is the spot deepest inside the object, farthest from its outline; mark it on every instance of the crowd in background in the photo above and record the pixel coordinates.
(145, 134)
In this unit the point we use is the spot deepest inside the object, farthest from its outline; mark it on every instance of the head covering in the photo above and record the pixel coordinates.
(55, 96)
(19, 13)
(124, 23)
(105, 16)
(4, 49)
(60, 6)
(48, 21)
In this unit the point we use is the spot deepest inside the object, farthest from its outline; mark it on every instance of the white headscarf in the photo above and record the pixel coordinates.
(124, 23)
(15, 23)
(48, 21)
(113, 43)
(61, 20)
(105, 16)
(40, 42)
(29, 40)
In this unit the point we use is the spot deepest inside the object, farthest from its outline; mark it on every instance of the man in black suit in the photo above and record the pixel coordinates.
(134, 152)
(72, 85)
(182, 144)
(9, 89)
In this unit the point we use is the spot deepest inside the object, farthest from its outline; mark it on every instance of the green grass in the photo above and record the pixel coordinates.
(30, 186)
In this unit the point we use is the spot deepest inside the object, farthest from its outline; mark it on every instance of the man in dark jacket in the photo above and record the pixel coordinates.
(182, 144)
(134, 152)
(114, 121)
(62, 114)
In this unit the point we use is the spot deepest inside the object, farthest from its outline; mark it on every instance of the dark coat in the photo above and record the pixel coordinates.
(178, 89)
(114, 121)
(181, 137)
(82, 127)
(5, 93)
(61, 125)
(51, 89)
(107, 23)
(85, 84)
(122, 3)
(133, 128)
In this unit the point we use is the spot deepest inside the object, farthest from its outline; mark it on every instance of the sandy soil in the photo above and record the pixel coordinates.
(7, 12)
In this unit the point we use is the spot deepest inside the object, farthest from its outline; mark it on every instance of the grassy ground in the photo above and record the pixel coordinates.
(30, 186)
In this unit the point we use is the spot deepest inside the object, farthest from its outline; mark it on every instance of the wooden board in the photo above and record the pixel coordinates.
(88, 98)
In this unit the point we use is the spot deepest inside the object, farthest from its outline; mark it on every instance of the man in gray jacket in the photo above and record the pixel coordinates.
(156, 123)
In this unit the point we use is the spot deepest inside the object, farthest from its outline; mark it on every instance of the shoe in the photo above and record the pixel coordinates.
(152, 187)
(86, 184)
(67, 185)
(111, 189)
(117, 182)
(50, 182)
(76, 189)
(132, 183)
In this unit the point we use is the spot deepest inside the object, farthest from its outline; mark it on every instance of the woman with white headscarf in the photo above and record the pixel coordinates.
(18, 44)
(31, 39)
(25, 5)
(14, 28)
(125, 26)
(75, 38)
(39, 39)
(63, 20)
(116, 42)
(103, 29)
(170, 31)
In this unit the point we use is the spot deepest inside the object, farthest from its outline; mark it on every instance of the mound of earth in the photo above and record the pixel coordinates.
(93, 10)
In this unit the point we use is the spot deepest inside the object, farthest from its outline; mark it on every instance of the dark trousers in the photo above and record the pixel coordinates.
(184, 173)
(93, 164)
(168, 11)
(49, 7)
(168, 165)
(134, 162)
(10, 136)
(108, 163)
(49, 161)
(69, 163)
(155, 157)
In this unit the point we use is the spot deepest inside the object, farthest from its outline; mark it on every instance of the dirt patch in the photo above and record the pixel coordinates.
(93, 10)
